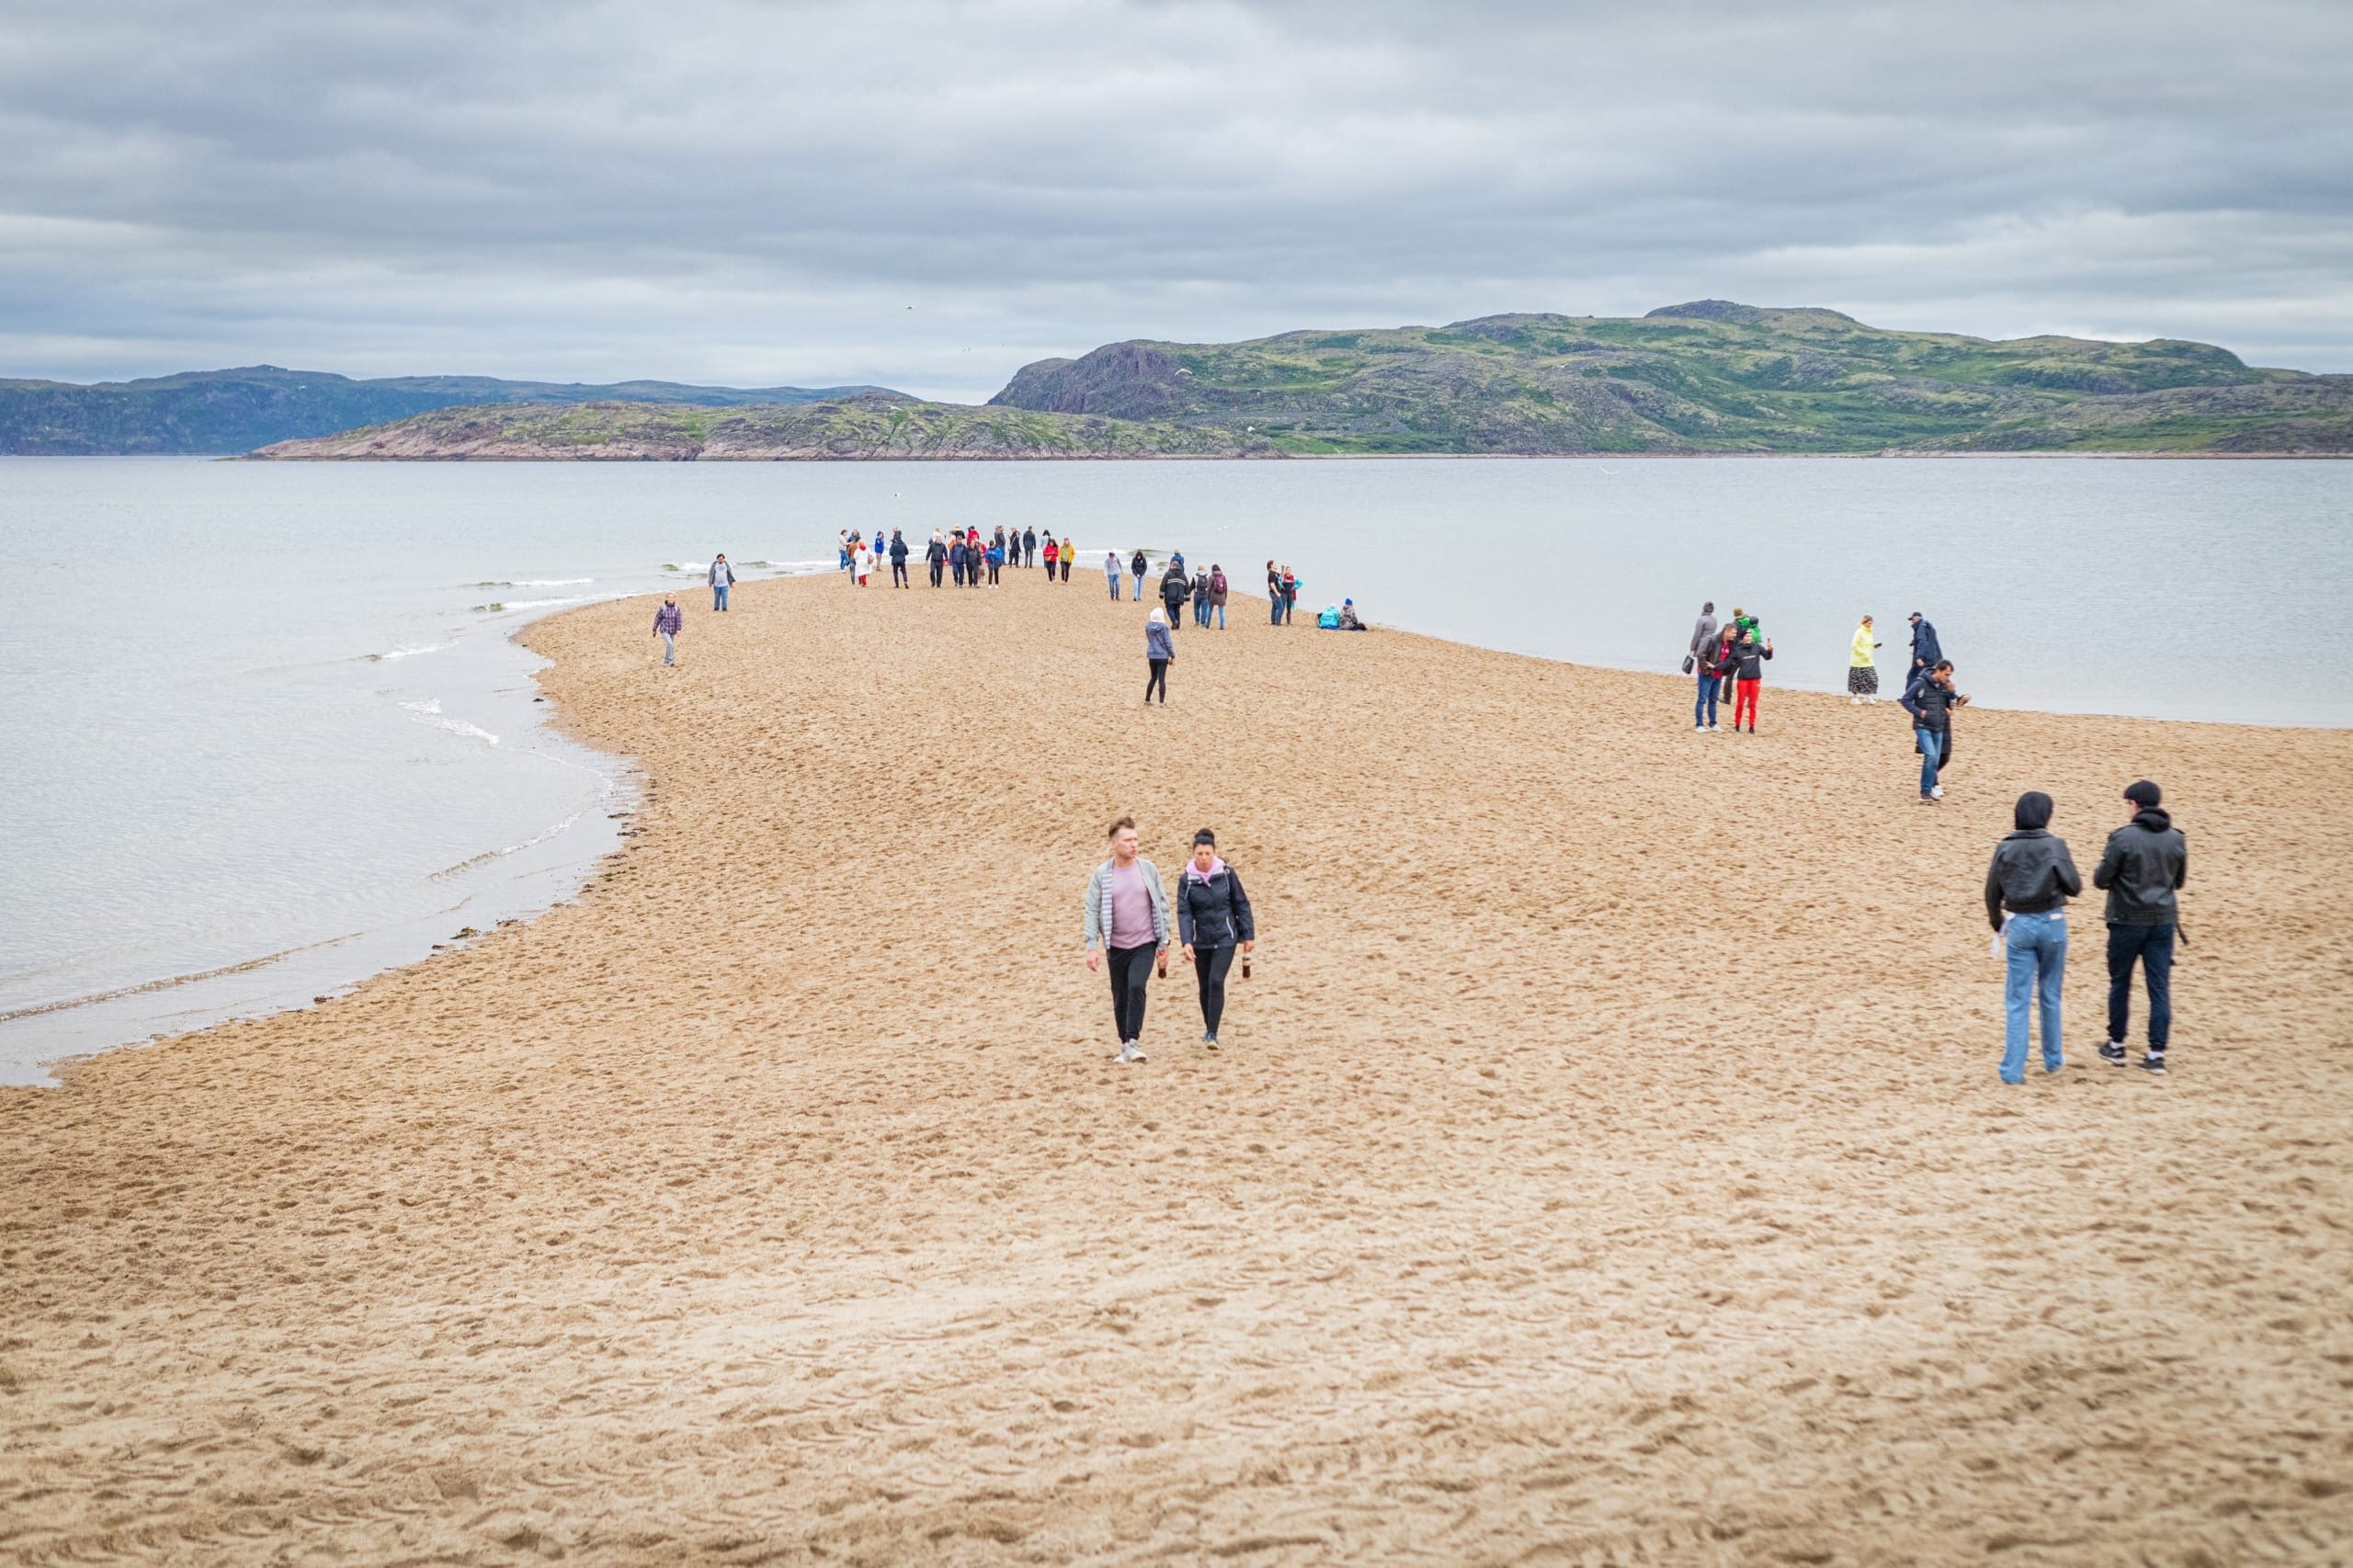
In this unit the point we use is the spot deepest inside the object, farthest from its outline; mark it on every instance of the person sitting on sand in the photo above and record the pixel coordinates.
(1349, 621)
(1127, 921)
(2033, 877)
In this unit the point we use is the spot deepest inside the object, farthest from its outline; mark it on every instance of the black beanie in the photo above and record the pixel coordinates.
(1205, 837)
(2143, 794)
(2033, 809)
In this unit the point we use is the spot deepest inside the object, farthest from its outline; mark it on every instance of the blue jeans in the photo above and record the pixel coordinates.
(719, 596)
(1932, 747)
(1139, 587)
(2153, 946)
(1114, 584)
(1705, 704)
(2038, 953)
(669, 647)
(1275, 605)
(1221, 616)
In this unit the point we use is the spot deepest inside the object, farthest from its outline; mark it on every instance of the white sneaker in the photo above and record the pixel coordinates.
(1131, 1053)
(1939, 791)
(1854, 702)
(1711, 729)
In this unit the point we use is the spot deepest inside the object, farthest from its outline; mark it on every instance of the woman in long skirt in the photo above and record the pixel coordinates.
(1862, 674)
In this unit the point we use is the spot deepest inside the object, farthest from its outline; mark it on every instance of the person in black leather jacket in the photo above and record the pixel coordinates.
(2033, 877)
(1213, 919)
(2146, 862)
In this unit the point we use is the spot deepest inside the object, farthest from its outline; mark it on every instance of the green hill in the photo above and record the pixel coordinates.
(884, 426)
(1706, 377)
(235, 411)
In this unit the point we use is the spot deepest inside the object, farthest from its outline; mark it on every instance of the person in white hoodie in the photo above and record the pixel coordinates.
(861, 562)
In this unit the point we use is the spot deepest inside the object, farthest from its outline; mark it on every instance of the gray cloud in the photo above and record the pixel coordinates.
(728, 190)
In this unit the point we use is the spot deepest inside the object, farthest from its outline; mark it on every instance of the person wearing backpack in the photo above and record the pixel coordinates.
(1217, 594)
(1174, 591)
(1201, 597)
(1213, 920)
(2032, 879)
(2143, 867)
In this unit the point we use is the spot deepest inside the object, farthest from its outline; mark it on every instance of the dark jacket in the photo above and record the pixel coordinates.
(2147, 859)
(1931, 703)
(934, 552)
(1173, 590)
(1136, 564)
(1213, 913)
(898, 551)
(2031, 874)
(1745, 660)
(1926, 653)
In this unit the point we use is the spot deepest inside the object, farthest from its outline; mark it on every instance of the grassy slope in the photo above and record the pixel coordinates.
(1710, 376)
(857, 428)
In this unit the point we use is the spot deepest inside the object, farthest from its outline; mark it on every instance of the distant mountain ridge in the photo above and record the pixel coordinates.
(1708, 376)
(234, 411)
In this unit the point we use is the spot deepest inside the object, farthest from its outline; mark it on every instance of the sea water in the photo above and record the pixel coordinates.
(264, 734)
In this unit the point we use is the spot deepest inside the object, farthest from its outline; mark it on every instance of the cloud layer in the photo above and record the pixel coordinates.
(930, 194)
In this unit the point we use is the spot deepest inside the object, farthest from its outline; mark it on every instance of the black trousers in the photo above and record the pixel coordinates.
(1131, 968)
(2153, 946)
(1209, 967)
(937, 568)
(1158, 677)
(1065, 568)
(898, 574)
(958, 570)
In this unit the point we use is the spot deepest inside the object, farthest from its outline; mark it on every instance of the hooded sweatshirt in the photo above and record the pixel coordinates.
(1860, 656)
(2145, 861)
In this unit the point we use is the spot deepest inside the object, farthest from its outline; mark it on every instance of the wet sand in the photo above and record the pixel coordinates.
(1605, 1162)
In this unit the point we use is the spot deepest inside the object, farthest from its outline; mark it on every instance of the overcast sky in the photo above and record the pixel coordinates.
(928, 196)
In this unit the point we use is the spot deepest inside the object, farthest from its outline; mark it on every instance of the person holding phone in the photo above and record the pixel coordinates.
(1213, 921)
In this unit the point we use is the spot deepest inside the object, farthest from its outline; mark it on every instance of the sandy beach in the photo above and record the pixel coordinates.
(1605, 1162)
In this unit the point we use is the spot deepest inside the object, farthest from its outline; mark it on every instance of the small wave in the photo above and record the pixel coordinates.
(535, 583)
(501, 606)
(169, 982)
(429, 711)
(487, 856)
(408, 652)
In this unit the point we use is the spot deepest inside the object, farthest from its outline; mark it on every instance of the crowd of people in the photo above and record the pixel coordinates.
(965, 558)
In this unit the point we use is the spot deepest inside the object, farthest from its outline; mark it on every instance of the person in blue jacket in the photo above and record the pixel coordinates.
(1159, 649)
(1925, 650)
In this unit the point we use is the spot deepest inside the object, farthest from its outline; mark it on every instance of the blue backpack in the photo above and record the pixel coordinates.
(1330, 619)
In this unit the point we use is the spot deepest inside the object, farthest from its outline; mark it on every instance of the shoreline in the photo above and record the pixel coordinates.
(1896, 456)
(1607, 1144)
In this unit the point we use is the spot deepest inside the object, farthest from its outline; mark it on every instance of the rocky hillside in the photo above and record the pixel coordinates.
(1706, 377)
(884, 425)
(235, 411)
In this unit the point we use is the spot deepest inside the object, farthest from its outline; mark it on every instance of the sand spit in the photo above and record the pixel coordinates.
(1606, 1163)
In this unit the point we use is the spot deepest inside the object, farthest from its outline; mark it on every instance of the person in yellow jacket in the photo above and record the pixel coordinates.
(1862, 674)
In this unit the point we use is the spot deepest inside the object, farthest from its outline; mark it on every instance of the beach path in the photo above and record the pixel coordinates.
(1604, 1164)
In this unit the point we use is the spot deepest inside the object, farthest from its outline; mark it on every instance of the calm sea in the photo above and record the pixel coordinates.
(263, 726)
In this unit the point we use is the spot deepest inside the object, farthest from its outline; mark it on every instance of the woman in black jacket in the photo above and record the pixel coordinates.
(2033, 877)
(1213, 919)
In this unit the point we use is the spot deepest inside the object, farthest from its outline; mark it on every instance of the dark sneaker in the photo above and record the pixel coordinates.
(2154, 1063)
(2112, 1054)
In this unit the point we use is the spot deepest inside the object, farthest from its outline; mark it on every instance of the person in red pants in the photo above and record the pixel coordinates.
(1748, 674)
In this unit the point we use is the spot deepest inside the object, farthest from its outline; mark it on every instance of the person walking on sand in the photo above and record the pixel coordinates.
(2033, 877)
(996, 557)
(1053, 554)
(1127, 922)
(1748, 660)
(861, 562)
(1111, 571)
(1703, 655)
(841, 540)
(1931, 702)
(723, 577)
(1139, 565)
(1201, 597)
(1174, 590)
(667, 623)
(1070, 556)
(1862, 670)
(1213, 920)
(1926, 650)
(1159, 649)
(2142, 870)
(1218, 586)
(1029, 547)
(936, 552)
(958, 555)
(899, 560)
